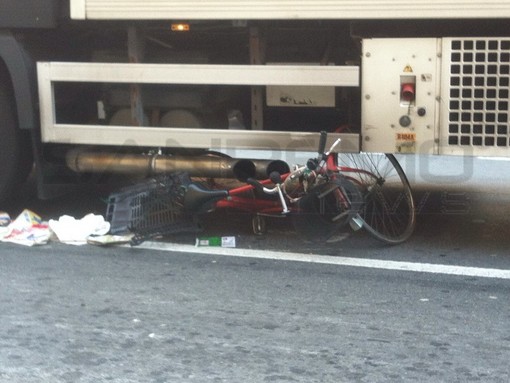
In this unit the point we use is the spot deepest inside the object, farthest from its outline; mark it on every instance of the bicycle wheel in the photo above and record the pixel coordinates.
(388, 207)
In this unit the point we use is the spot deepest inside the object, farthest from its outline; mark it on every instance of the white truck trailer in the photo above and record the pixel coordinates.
(172, 77)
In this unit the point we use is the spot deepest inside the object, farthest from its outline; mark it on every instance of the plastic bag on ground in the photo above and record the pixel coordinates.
(72, 231)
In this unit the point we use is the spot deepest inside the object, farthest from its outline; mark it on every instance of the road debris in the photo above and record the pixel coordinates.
(27, 229)
(5, 219)
(72, 231)
(228, 241)
(109, 239)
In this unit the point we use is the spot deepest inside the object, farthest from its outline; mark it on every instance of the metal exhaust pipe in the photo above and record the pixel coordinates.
(244, 169)
(264, 168)
(82, 161)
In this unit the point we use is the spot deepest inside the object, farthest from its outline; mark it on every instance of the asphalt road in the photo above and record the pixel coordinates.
(132, 315)
(277, 308)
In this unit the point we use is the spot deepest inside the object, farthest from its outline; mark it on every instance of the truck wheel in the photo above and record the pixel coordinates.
(15, 149)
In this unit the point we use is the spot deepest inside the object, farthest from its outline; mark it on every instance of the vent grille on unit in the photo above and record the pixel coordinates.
(479, 86)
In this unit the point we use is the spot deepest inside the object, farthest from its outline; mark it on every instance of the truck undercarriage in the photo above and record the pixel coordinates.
(127, 78)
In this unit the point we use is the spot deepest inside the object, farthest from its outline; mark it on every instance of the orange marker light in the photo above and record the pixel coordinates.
(180, 27)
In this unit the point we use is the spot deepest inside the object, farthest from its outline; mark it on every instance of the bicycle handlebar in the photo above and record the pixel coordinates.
(256, 184)
(276, 190)
(316, 163)
(322, 143)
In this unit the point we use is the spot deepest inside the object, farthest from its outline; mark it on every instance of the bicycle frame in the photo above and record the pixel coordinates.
(258, 205)
(236, 200)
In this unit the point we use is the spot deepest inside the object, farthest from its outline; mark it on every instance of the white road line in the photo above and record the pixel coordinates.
(330, 260)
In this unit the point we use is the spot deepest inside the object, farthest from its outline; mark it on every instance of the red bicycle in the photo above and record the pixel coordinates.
(365, 190)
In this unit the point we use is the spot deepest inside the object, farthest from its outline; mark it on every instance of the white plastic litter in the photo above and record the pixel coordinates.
(5, 219)
(72, 231)
(109, 239)
(27, 229)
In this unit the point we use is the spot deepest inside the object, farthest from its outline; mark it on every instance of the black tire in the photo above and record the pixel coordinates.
(388, 206)
(15, 148)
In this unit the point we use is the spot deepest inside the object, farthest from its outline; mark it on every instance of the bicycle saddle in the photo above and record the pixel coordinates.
(198, 198)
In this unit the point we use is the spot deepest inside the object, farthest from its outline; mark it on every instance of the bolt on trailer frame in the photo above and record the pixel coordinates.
(434, 95)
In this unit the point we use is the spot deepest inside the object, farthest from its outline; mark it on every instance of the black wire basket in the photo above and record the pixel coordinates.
(151, 208)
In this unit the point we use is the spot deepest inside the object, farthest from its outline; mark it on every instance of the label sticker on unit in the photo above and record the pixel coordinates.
(405, 142)
(426, 77)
